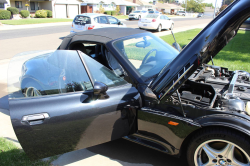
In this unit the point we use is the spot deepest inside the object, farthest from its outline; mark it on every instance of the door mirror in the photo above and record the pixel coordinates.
(100, 90)
(177, 46)
(120, 23)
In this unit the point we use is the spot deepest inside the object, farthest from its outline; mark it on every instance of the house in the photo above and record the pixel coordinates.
(93, 6)
(3, 4)
(59, 8)
(143, 5)
(168, 8)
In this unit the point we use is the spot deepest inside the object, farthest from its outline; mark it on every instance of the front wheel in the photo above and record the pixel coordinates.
(171, 27)
(159, 28)
(219, 146)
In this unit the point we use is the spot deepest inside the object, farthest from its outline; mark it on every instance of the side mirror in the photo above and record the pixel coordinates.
(120, 23)
(100, 90)
(177, 46)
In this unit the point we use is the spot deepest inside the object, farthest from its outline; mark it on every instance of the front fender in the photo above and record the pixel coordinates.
(230, 121)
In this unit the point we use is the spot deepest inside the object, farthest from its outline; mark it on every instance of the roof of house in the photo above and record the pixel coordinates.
(117, 2)
(3, 1)
(141, 2)
(168, 6)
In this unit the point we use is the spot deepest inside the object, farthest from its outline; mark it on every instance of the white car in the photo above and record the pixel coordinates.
(88, 21)
(137, 14)
(181, 13)
(156, 22)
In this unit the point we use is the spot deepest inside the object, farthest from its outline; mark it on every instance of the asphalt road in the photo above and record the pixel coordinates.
(11, 34)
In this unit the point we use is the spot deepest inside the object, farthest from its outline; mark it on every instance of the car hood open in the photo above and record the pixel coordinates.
(201, 49)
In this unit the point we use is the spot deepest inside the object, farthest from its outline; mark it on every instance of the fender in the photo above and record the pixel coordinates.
(225, 120)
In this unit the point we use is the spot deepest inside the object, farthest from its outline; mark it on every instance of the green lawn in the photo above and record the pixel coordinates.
(11, 155)
(235, 55)
(35, 21)
(121, 17)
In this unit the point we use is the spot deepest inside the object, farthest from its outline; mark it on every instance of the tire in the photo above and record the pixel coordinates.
(139, 17)
(159, 28)
(183, 15)
(171, 27)
(130, 18)
(213, 141)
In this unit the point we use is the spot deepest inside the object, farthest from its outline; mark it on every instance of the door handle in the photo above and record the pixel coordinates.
(35, 119)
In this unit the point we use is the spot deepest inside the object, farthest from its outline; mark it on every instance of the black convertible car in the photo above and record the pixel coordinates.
(111, 83)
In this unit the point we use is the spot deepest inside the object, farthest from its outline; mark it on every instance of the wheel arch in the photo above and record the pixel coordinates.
(232, 124)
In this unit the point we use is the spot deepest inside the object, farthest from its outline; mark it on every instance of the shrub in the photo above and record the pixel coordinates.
(113, 13)
(5, 14)
(101, 9)
(13, 10)
(108, 12)
(25, 13)
(41, 14)
(117, 9)
(49, 13)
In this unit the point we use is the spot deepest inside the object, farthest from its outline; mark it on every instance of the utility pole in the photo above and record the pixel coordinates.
(215, 7)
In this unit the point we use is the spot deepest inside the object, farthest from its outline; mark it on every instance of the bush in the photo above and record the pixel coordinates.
(108, 12)
(113, 13)
(25, 13)
(13, 10)
(5, 14)
(49, 13)
(41, 14)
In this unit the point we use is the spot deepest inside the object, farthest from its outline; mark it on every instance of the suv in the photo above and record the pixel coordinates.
(88, 21)
(137, 14)
(181, 13)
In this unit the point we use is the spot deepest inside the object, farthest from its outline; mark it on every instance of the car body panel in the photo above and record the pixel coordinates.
(164, 21)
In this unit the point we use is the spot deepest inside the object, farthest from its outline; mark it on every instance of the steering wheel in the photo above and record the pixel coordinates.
(146, 57)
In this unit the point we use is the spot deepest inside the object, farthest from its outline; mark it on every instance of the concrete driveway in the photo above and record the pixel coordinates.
(119, 152)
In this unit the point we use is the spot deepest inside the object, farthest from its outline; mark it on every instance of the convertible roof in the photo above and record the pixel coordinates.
(101, 35)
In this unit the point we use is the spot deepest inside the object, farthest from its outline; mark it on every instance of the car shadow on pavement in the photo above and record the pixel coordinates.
(4, 105)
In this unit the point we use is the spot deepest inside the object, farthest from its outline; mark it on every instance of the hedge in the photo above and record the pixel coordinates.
(49, 13)
(13, 10)
(25, 13)
(41, 14)
(107, 12)
(5, 14)
(113, 13)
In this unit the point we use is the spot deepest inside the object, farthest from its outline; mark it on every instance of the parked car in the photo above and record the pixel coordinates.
(200, 15)
(128, 83)
(156, 22)
(181, 13)
(154, 12)
(89, 21)
(246, 24)
(137, 14)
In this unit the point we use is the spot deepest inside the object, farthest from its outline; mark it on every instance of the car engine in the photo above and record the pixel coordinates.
(216, 88)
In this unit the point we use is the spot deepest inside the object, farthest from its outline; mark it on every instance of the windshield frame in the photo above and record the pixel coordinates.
(128, 65)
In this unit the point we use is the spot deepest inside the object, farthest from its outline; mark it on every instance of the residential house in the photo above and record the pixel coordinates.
(4, 4)
(93, 6)
(59, 8)
(143, 5)
(169, 8)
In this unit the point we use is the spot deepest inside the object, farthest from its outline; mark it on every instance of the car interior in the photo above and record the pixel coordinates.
(101, 55)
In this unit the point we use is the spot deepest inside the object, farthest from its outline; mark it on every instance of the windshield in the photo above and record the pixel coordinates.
(151, 16)
(136, 12)
(147, 53)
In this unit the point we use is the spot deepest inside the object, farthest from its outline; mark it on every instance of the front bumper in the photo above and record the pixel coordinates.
(133, 17)
(148, 25)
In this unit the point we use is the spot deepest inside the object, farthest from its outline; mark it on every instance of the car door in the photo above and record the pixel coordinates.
(103, 21)
(54, 109)
(113, 22)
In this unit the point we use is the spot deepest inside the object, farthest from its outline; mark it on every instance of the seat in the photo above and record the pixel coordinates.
(80, 47)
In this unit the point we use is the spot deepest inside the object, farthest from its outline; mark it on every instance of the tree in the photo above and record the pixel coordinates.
(117, 9)
(101, 9)
(209, 5)
(227, 2)
(223, 7)
(195, 6)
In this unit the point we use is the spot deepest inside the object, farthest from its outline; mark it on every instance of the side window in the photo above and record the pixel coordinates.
(52, 73)
(166, 18)
(102, 74)
(103, 20)
(162, 18)
(112, 20)
(96, 19)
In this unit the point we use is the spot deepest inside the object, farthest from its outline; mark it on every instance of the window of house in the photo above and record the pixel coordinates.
(1, 5)
(34, 5)
(18, 4)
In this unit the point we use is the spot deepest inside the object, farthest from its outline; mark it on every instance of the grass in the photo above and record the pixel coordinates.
(35, 21)
(11, 155)
(235, 55)
(121, 17)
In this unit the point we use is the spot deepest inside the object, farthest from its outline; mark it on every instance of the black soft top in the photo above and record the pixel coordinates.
(101, 35)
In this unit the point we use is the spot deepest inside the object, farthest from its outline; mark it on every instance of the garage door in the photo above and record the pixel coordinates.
(61, 11)
(73, 11)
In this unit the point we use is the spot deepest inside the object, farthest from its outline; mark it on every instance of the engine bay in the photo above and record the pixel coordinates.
(217, 88)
